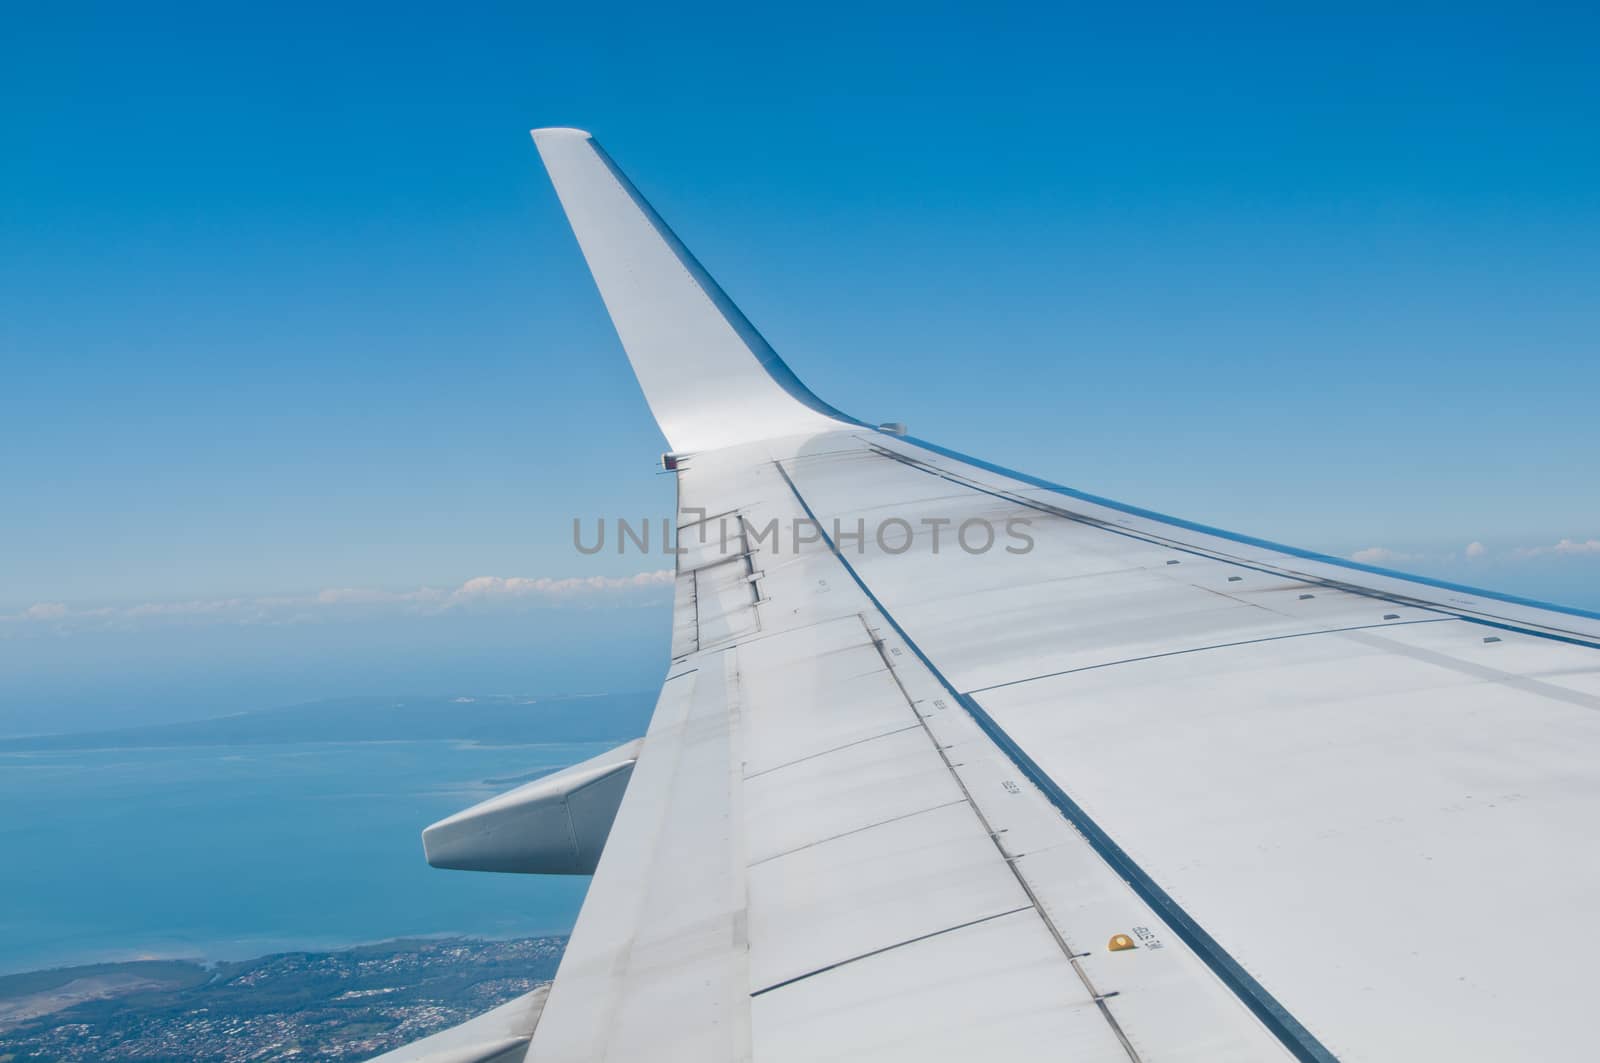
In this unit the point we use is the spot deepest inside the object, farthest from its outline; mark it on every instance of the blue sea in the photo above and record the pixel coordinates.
(223, 852)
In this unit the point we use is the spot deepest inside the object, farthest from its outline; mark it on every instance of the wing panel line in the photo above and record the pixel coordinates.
(858, 830)
(1214, 646)
(888, 948)
(826, 752)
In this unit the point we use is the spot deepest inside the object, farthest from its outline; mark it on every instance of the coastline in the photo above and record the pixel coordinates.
(246, 950)
(344, 1004)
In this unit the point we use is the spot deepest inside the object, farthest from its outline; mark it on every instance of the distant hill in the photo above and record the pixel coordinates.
(493, 720)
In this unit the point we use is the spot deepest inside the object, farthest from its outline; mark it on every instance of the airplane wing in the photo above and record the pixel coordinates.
(952, 762)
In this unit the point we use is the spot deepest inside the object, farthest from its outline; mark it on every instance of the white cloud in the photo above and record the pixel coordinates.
(335, 602)
(483, 587)
(1477, 551)
(198, 607)
(368, 596)
(1380, 555)
(1564, 548)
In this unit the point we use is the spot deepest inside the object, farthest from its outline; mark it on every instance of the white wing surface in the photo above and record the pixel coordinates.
(1131, 789)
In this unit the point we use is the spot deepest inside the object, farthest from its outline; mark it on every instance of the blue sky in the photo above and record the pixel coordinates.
(287, 304)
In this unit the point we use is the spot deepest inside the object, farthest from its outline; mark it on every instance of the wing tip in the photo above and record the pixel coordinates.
(559, 132)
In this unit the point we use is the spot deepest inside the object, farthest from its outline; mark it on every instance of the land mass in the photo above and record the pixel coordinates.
(340, 1006)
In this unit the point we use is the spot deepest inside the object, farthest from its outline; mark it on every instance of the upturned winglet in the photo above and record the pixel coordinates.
(710, 378)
